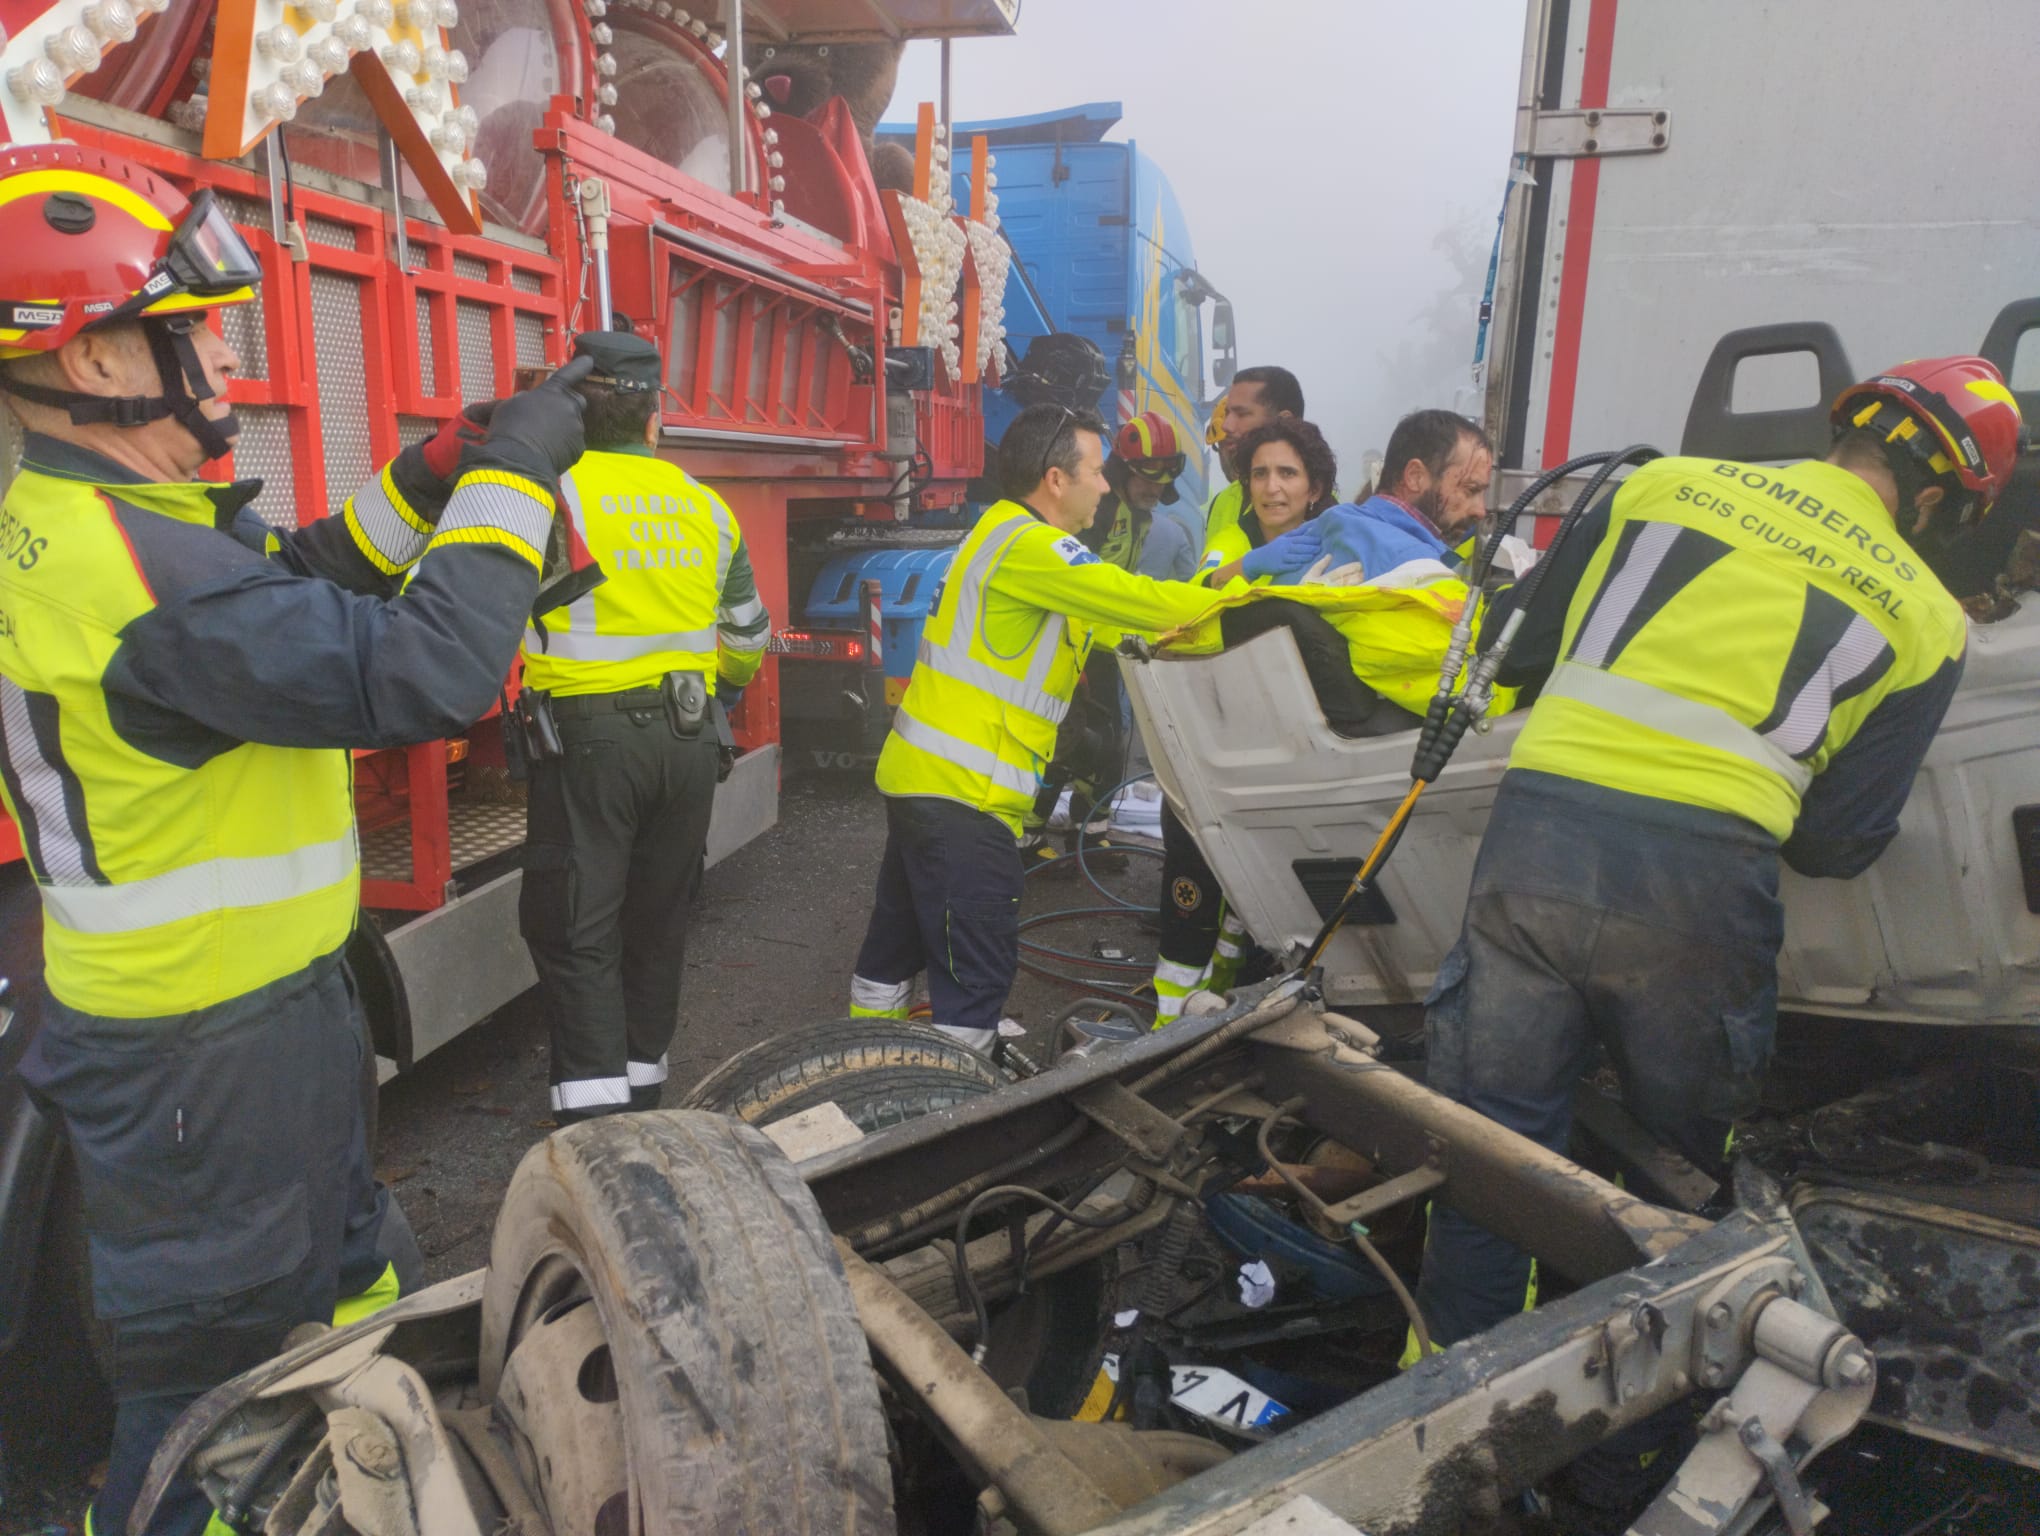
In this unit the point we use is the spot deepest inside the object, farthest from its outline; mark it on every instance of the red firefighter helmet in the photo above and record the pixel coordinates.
(1147, 445)
(1953, 415)
(87, 238)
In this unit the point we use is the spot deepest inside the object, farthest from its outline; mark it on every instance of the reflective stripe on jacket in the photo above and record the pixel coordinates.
(1221, 549)
(1000, 658)
(679, 597)
(1735, 628)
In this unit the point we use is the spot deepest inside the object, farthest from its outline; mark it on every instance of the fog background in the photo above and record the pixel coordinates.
(1340, 164)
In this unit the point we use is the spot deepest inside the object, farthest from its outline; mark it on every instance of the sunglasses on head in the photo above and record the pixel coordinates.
(1048, 449)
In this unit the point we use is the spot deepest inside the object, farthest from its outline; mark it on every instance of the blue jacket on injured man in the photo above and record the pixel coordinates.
(1389, 543)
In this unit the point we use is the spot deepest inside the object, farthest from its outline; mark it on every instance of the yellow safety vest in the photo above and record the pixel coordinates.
(1225, 511)
(1000, 659)
(665, 543)
(1733, 631)
(165, 889)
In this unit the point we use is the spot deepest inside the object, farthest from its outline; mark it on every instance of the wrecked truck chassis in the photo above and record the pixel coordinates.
(1667, 1304)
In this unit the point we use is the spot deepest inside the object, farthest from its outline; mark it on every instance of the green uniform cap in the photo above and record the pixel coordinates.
(621, 358)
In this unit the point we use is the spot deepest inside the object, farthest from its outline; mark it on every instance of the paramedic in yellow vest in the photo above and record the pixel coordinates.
(1741, 665)
(179, 685)
(631, 674)
(1255, 397)
(977, 726)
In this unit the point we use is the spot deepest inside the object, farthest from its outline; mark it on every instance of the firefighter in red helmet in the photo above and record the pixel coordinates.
(179, 685)
(1741, 665)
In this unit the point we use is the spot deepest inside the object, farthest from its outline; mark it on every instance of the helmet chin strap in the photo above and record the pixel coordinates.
(185, 389)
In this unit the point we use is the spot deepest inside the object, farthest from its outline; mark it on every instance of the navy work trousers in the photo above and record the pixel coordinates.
(1598, 922)
(224, 1168)
(948, 903)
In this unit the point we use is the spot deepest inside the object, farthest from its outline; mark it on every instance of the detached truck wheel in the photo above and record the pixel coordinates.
(881, 1073)
(728, 1340)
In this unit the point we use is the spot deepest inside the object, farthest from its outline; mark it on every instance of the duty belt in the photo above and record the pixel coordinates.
(585, 706)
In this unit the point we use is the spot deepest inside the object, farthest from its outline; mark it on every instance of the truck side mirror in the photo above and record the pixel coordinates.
(1224, 346)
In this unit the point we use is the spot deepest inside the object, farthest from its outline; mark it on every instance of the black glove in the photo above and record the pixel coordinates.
(441, 452)
(536, 434)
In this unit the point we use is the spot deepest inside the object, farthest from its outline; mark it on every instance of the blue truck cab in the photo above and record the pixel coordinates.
(855, 644)
(1102, 251)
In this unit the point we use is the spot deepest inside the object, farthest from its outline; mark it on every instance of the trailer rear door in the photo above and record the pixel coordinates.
(1870, 166)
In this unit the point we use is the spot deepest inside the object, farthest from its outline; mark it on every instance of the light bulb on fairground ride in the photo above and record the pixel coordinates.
(275, 102)
(38, 82)
(113, 21)
(73, 50)
(279, 45)
(401, 58)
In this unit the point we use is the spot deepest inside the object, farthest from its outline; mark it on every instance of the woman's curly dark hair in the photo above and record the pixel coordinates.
(1320, 464)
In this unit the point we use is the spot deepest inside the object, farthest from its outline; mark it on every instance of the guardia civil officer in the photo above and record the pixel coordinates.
(1741, 664)
(178, 685)
(1022, 605)
(630, 674)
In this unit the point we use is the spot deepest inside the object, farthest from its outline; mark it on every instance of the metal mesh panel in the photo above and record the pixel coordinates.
(477, 351)
(263, 452)
(343, 384)
(530, 332)
(412, 430)
(329, 231)
(473, 268)
(525, 282)
(242, 325)
(428, 364)
(252, 211)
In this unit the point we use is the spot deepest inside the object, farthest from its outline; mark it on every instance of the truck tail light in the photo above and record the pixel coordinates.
(825, 646)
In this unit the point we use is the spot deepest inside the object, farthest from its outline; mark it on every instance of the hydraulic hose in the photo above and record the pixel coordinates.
(1038, 957)
(1484, 559)
(1452, 712)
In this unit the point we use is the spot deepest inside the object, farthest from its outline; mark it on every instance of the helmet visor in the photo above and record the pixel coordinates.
(1158, 471)
(207, 255)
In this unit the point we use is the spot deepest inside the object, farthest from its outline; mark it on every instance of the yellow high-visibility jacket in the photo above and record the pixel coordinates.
(1000, 658)
(679, 594)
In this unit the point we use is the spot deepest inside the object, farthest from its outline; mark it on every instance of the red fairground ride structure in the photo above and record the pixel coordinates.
(442, 193)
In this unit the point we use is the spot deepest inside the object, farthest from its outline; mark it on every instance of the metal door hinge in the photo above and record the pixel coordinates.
(1588, 133)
